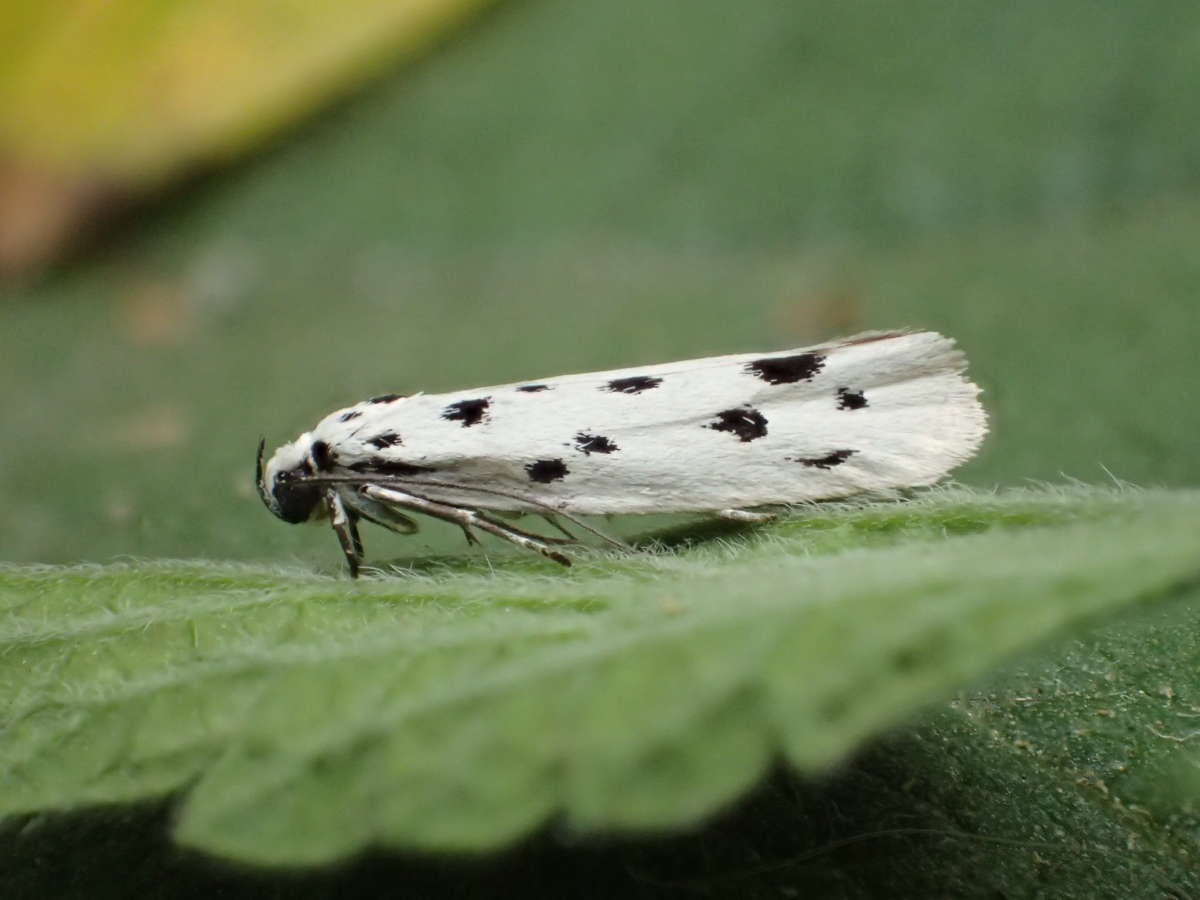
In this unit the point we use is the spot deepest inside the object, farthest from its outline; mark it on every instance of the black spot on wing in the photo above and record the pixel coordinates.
(744, 421)
(322, 456)
(534, 388)
(634, 384)
(347, 416)
(545, 471)
(377, 465)
(786, 369)
(385, 440)
(469, 412)
(828, 461)
(594, 443)
(848, 399)
(386, 398)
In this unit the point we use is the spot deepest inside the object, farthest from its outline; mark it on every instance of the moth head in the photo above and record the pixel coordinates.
(280, 483)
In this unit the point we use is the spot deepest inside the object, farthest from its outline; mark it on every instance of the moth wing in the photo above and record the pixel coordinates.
(867, 413)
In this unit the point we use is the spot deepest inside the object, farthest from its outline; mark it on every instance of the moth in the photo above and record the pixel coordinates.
(729, 435)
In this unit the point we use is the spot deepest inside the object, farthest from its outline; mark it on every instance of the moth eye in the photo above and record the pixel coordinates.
(296, 500)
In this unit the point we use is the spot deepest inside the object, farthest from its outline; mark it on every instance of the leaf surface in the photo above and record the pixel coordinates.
(308, 716)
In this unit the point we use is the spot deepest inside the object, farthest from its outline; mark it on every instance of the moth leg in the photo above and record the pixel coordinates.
(553, 520)
(345, 529)
(552, 510)
(463, 517)
(503, 519)
(391, 519)
(355, 538)
(745, 515)
(381, 515)
(533, 536)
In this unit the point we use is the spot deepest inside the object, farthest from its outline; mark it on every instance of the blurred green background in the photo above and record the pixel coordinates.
(565, 186)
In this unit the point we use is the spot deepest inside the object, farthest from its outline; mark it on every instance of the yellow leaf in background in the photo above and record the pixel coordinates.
(101, 100)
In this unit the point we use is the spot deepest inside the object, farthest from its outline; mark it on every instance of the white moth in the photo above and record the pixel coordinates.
(723, 434)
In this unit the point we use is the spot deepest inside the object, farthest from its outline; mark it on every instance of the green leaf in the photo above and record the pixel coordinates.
(457, 705)
(576, 186)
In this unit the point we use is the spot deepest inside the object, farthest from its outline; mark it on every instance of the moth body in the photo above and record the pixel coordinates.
(868, 413)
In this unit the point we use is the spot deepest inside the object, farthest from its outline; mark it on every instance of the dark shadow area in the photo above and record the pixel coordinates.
(778, 836)
(880, 827)
(692, 534)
